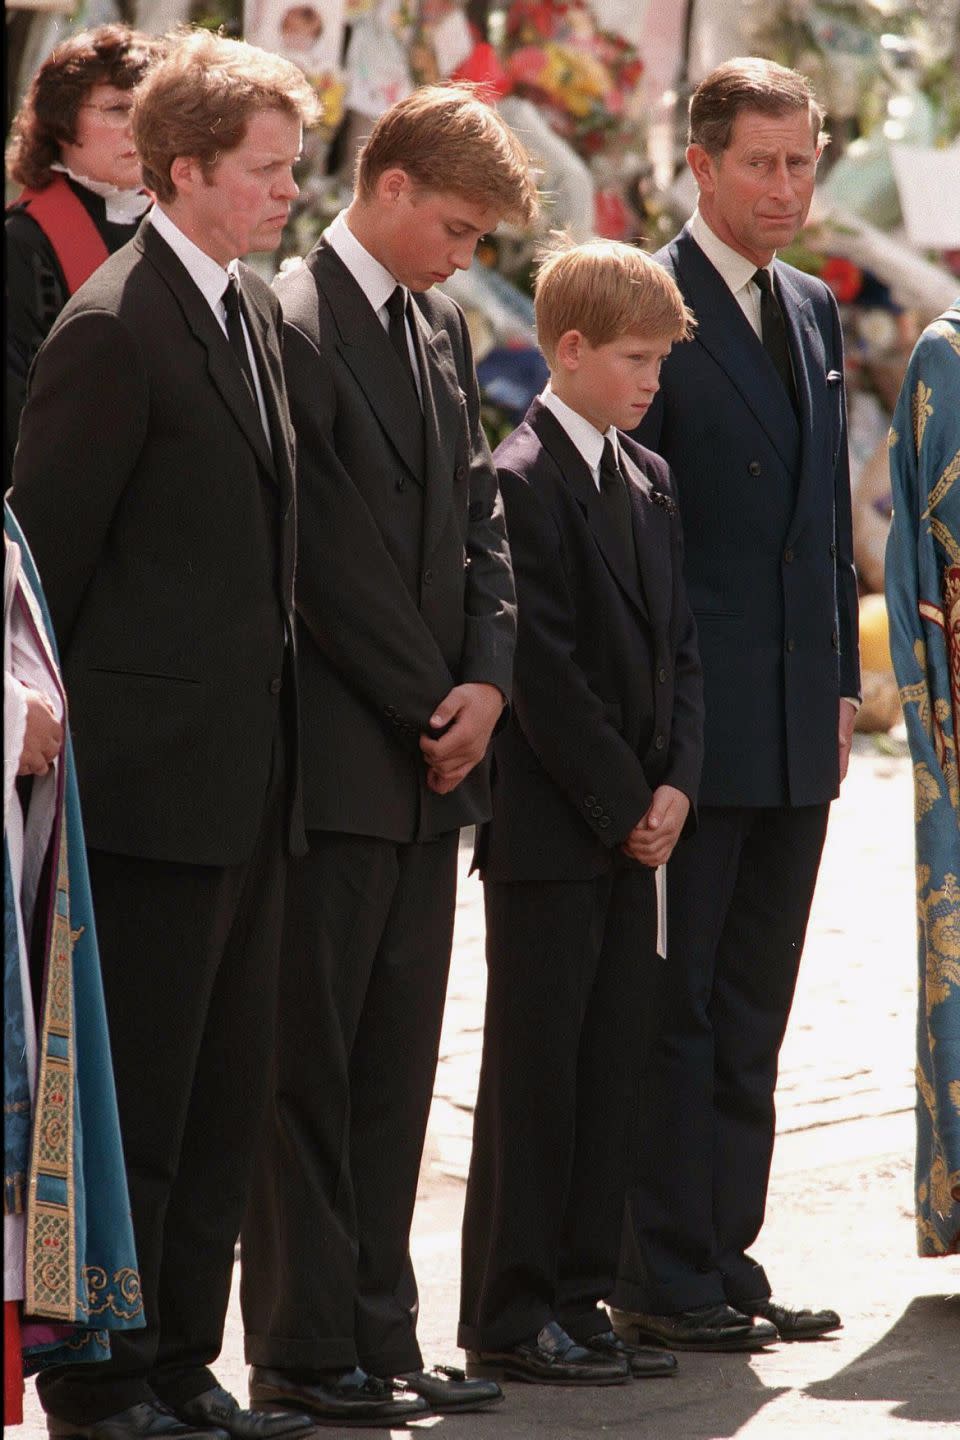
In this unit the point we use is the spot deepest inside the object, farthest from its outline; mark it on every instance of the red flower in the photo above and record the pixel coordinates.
(844, 278)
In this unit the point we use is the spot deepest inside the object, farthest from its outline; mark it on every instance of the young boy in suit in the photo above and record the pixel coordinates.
(596, 772)
(406, 631)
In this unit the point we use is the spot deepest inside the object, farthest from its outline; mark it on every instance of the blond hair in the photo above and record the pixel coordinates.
(199, 100)
(447, 139)
(605, 290)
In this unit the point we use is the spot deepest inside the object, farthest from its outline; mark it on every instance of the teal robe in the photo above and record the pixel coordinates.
(63, 1162)
(923, 599)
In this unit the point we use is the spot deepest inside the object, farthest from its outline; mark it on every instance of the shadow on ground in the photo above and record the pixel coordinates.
(915, 1366)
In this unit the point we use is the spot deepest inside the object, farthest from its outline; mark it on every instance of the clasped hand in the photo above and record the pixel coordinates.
(43, 736)
(652, 839)
(471, 711)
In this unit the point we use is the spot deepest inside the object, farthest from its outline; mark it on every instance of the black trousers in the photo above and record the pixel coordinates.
(739, 895)
(568, 965)
(189, 957)
(326, 1279)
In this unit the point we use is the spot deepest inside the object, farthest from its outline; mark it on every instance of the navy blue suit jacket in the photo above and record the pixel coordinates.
(765, 501)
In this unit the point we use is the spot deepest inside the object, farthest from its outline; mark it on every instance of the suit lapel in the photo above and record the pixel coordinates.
(653, 540)
(576, 474)
(727, 335)
(442, 421)
(810, 373)
(222, 365)
(365, 348)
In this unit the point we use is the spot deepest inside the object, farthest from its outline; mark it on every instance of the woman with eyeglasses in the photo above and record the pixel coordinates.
(72, 151)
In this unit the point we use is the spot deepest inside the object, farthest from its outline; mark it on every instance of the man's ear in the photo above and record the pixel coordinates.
(703, 167)
(184, 172)
(392, 184)
(569, 349)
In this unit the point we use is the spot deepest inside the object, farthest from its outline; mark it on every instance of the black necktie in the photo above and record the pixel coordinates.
(397, 330)
(774, 332)
(616, 502)
(238, 344)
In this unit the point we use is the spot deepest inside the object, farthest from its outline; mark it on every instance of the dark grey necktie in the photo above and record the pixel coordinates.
(774, 332)
(397, 330)
(238, 344)
(615, 499)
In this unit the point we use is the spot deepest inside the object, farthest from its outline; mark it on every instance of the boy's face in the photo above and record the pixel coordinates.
(613, 383)
(428, 234)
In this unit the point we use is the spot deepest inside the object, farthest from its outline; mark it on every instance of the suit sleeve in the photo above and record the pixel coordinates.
(686, 726)
(848, 624)
(561, 717)
(82, 430)
(349, 592)
(490, 598)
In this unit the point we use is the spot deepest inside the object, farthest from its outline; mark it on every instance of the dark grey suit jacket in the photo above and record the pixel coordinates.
(404, 585)
(607, 692)
(164, 530)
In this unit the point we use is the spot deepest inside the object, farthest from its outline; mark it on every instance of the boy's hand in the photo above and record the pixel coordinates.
(43, 736)
(652, 839)
(471, 712)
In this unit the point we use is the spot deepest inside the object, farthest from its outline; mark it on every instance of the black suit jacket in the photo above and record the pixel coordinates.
(765, 499)
(404, 585)
(607, 690)
(164, 530)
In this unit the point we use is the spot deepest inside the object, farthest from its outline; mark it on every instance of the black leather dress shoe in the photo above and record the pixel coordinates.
(550, 1359)
(217, 1409)
(643, 1364)
(709, 1327)
(354, 1398)
(447, 1389)
(147, 1421)
(796, 1324)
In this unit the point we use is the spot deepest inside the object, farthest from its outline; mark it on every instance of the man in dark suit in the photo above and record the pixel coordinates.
(154, 481)
(595, 775)
(406, 608)
(751, 418)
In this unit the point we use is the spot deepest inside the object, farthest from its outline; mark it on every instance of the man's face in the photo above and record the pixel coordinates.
(428, 234)
(756, 194)
(103, 149)
(243, 203)
(613, 383)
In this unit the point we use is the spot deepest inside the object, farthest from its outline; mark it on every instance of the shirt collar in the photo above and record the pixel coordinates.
(209, 277)
(735, 269)
(586, 437)
(374, 279)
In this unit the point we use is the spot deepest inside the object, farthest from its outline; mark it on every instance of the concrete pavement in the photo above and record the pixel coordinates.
(839, 1227)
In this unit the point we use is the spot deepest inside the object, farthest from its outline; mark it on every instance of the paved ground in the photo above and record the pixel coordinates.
(840, 1219)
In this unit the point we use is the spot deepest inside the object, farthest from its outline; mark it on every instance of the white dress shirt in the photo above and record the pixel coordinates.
(735, 269)
(586, 437)
(374, 280)
(211, 280)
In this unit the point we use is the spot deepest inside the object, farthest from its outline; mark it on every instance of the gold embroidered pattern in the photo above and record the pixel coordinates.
(51, 1237)
(892, 438)
(121, 1295)
(920, 411)
(943, 486)
(948, 332)
(954, 1093)
(926, 790)
(940, 918)
(925, 1091)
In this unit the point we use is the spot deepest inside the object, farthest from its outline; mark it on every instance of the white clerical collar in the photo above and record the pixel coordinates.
(374, 279)
(735, 269)
(586, 437)
(123, 206)
(206, 273)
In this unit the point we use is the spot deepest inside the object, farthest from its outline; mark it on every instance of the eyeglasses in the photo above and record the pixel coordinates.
(116, 115)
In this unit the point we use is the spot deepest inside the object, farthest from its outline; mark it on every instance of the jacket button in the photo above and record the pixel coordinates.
(833, 549)
(660, 741)
(276, 685)
(835, 640)
(604, 822)
(460, 473)
(428, 577)
(401, 482)
(597, 811)
(590, 801)
(788, 556)
(662, 675)
(791, 646)
(754, 467)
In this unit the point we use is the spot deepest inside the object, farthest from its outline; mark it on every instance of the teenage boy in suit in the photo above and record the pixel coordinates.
(154, 480)
(406, 625)
(596, 773)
